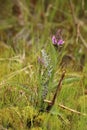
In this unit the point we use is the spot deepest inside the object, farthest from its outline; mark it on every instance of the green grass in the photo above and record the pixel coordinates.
(22, 76)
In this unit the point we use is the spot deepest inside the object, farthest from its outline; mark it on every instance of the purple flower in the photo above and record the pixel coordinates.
(60, 42)
(54, 40)
(57, 38)
(57, 42)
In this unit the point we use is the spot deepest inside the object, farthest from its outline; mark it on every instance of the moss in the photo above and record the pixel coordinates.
(23, 118)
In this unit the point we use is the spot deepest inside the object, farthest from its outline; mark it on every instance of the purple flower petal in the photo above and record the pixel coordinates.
(60, 42)
(54, 40)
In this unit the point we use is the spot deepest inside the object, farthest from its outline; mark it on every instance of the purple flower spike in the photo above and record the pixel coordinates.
(57, 38)
(57, 42)
(60, 42)
(54, 40)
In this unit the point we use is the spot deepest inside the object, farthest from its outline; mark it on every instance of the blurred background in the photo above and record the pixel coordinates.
(26, 30)
(33, 20)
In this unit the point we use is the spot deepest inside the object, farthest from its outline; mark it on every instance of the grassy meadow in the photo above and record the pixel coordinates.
(43, 86)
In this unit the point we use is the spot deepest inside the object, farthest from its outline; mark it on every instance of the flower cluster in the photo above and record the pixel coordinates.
(57, 42)
(57, 38)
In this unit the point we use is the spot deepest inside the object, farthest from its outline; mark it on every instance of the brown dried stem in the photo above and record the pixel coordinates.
(67, 108)
(58, 89)
(71, 110)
